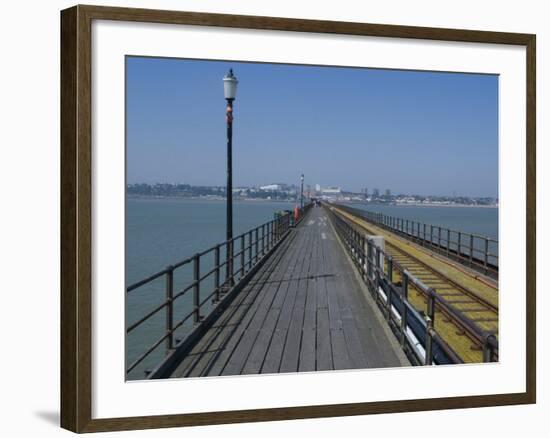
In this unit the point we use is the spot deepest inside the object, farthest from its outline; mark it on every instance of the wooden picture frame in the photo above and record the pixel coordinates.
(76, 217)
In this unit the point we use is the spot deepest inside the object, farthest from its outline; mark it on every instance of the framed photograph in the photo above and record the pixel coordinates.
(269, 218)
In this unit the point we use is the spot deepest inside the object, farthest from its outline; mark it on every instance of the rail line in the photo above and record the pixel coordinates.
(474, 316)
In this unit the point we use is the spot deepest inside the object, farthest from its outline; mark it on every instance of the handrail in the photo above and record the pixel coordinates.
(474, 250)
(413, 330)
(252, 245)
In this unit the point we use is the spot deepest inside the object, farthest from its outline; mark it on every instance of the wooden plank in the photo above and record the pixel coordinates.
(309, 338)
(333, 305)
(324, 349)
(340, 356)
(353, 341)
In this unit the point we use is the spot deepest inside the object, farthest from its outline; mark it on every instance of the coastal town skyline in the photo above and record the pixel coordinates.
(291, 192)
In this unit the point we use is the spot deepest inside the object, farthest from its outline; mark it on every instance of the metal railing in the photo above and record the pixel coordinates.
(221, 266)
(415, 330)
(473, 250)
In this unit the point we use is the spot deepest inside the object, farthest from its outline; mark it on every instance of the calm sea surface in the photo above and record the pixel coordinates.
(160, 232)
(477, 220)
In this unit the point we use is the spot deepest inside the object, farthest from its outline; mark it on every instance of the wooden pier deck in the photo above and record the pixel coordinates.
(304, 310)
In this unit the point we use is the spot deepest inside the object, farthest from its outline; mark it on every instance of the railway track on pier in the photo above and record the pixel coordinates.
(465, 314)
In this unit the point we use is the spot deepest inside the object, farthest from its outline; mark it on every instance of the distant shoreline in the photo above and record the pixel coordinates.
(201, 198)
(260, 200)
(419, 204)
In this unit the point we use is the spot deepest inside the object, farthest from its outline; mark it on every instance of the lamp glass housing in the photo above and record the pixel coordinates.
(230, 85)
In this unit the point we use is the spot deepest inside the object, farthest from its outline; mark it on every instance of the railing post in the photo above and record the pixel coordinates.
(488, 350)
(430, 316)
(358, 249)
(351, 244)
(405, 285)
(439, 237)
(217, 273)
(429, 341)
(196, 289)
(486, 258)
(404, 299)
(363, 260)
(249, 250)
(430, 310)
(448, 241)
(423, 234)
(242, 255)
(431, 235)
(369, 259)
(377, 271)
(257, 255)
(232, 272)
(471, 250)
(169, 308)
(459, 244)
(389, 262)
(263, 239)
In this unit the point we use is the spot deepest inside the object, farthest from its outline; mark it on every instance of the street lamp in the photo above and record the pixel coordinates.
(230, 91)
(302, 192)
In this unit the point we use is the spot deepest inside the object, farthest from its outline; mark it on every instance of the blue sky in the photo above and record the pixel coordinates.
(407, 131)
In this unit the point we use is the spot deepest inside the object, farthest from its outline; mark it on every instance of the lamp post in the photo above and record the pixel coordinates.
(230, 90)
(302, 192)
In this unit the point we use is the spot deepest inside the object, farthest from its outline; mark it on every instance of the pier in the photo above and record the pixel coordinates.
(333, 288)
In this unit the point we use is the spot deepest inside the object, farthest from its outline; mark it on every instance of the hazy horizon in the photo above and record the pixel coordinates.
(421, 133)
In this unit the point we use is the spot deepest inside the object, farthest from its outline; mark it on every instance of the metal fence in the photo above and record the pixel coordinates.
(473, 250)
(415, 330)
(215, 272)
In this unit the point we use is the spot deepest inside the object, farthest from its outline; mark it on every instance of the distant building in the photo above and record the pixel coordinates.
(365, 192)
(271, 187)
(375, 193)
(332, 191)
(317, 187)
(388, 193)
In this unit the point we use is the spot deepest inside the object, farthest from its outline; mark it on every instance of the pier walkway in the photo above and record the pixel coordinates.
(340, 289)
(305, 309)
